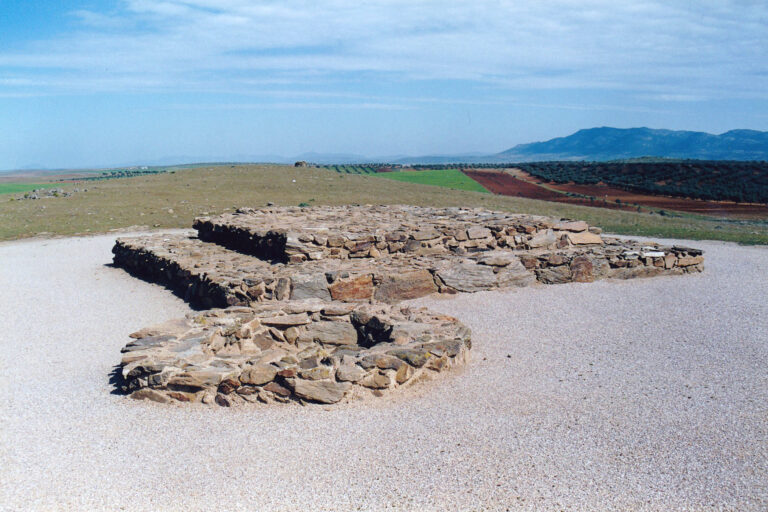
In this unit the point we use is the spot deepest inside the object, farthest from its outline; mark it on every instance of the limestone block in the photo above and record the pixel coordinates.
(350, 373)
(575, 226)
(330, 333)
(323, 391)
(584, 238)
(554, 275)
(542, 239)
(358, 288)
(258, 375)
(686, 261)
(313, 286)
(396, 287)
(582, 270)
(468, 277)
(476, 232)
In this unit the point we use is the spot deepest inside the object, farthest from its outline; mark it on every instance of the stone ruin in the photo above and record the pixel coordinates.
(306, 299)
(47, 193)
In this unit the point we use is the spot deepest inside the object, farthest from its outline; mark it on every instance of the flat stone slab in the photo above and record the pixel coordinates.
(312, 350)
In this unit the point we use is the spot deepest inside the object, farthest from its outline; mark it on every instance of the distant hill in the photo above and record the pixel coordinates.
(593, 144)
(599, 144)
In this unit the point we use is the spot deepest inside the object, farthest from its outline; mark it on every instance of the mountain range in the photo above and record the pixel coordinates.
(597, 144)
(594, 144)
(616, 143)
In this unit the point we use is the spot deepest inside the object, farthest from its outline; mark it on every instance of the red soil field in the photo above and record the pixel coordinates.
(507, 185)
(716, 208)
(524, 185)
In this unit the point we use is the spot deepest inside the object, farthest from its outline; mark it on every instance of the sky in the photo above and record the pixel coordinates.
(87, 83)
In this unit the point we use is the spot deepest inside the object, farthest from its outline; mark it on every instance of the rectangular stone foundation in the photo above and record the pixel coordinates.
(210, 275)
(348, 232)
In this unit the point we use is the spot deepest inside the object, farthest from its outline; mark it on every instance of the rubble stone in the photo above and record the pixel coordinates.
(323, 391)
(200, 358)
(306, 297)
(282, 233)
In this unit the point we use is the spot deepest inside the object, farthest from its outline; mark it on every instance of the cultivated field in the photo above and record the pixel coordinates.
(515, 182)
(712, 180)
(354, 169)
(448, 178)
(505, 184)
(173, 199)
(17, 188)
(715, 208)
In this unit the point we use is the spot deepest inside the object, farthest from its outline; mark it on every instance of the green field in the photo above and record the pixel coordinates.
(173, 200)
(18, 188)
(448, 178)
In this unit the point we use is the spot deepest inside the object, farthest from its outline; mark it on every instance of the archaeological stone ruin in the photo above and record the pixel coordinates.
(303, 304)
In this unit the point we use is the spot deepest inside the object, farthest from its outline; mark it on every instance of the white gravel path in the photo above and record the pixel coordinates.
(644, 395)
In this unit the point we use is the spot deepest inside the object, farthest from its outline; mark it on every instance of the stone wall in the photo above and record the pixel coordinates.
(309, 294)
(301, 234)
(209, 275)
(290, 351)
(212, 276)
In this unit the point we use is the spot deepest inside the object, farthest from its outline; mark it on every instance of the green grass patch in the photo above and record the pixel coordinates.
(448, 178)
(173, 200)
(17, 188)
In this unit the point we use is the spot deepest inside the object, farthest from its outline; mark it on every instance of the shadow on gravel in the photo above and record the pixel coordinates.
(117, 381)
(182, 294)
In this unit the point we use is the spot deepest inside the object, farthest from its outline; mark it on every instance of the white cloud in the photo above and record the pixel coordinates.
(302, 105)
(665, 50)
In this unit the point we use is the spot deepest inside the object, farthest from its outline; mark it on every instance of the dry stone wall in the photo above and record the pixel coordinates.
(212, 276)
(317, 287)
(290, 351)
(301, 234)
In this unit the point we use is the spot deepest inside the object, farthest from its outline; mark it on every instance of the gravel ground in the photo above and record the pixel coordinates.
(644, 395)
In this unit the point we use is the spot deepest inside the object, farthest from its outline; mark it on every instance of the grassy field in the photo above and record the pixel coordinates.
(351, 169)
(18, 188)
(448, 178)
(172, 200)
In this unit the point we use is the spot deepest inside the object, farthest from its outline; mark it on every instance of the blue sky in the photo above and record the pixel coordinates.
(94, 83)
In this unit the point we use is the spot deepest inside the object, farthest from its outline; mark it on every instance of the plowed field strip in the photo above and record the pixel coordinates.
(506, 184)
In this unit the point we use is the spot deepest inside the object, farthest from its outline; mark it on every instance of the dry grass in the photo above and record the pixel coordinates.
(173, 200)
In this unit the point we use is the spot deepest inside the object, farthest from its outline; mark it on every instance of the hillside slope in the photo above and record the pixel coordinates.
(616, 143)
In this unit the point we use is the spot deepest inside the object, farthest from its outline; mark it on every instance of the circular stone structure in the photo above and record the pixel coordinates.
(311, 351)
